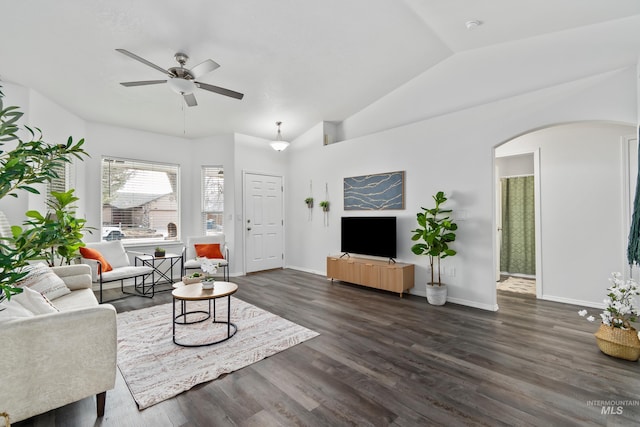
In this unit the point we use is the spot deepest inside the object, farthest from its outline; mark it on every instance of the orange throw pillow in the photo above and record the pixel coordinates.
(209, 250)
(89, 253)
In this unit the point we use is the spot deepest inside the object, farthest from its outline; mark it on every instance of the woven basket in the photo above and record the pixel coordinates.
(620, 343)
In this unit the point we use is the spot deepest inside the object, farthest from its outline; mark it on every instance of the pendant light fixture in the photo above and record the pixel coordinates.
(279, 144)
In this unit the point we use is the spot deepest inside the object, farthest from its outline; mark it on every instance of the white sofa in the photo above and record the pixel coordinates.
(51, 360)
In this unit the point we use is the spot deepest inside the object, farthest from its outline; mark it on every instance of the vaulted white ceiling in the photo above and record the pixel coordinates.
(302, 62)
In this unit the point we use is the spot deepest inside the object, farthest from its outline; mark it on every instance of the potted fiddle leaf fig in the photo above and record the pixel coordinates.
(435, 232)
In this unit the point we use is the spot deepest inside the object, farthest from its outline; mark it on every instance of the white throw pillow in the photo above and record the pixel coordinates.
(113, 252)
(12, 309)
(41, 278)
(34, 301)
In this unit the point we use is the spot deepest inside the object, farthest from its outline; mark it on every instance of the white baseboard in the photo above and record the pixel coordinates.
(473, 304)
(307, 270)
(524, 276)
(415, 291)
(573, 301)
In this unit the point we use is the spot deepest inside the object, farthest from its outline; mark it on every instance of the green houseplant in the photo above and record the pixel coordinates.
(309, 202)
(435, 232)
(31, 161)
(58, 232)
(159, 252)
(324, 205)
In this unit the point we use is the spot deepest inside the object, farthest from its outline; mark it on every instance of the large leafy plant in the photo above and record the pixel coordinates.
(435, 231)
(31, 161)
(58, 233)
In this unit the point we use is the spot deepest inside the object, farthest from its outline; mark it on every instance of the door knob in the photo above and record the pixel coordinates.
(249, 228)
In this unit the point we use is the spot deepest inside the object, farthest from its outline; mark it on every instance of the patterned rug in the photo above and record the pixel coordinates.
(156, 369)
(518, 284)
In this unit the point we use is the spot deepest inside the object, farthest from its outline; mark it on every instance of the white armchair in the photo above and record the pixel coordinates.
(114, 253)
(193, 262)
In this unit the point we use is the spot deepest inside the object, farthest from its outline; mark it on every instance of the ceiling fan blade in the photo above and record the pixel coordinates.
(143, 83)
(144, 61)
(203, 68)
(190, 99)
(219, 90)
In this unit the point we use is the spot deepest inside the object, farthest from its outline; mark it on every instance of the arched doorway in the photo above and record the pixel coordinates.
(580, 226)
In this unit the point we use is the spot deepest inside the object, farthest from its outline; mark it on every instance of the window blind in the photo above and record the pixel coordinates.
(59, 183)
(212, 199)
(140, 200)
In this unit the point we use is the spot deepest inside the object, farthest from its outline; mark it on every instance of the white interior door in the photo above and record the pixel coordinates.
(263, 222)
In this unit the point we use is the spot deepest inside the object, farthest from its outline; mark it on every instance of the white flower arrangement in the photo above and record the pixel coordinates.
(619, 310)
(209, 266)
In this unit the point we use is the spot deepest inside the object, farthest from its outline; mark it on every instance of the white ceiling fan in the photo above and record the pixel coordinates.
(183, 80)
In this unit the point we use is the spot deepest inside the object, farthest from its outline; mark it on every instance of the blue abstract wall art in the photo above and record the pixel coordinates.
(374, 192)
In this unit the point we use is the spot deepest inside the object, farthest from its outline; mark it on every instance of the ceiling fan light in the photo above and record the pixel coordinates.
(279, 144)
(181, 86)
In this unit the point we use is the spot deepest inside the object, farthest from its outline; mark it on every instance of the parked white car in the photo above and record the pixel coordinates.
(112, 233)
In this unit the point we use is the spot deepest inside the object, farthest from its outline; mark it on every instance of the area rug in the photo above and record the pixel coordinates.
(156, 369)
(518, 284)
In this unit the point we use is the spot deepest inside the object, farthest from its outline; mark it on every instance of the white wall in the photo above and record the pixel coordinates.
(484, 75)
(309, 241)
(103, 140)
(516, 165)
(210, 151)
(453, 153)
(435, 156)
(56, 126)
(582, 207)
(15, 95)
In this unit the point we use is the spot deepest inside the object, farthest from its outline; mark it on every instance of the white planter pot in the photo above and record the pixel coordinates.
(436, 295)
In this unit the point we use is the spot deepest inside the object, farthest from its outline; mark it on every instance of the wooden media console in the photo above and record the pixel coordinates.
(395, 277)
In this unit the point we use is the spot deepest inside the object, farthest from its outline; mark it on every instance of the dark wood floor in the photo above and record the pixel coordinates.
(381, 360)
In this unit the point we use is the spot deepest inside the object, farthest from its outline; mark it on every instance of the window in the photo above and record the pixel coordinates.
(59, 183)
(212, 199)
(140, 201)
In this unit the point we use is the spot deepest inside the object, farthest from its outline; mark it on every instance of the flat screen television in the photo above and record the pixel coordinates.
(369, 235)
